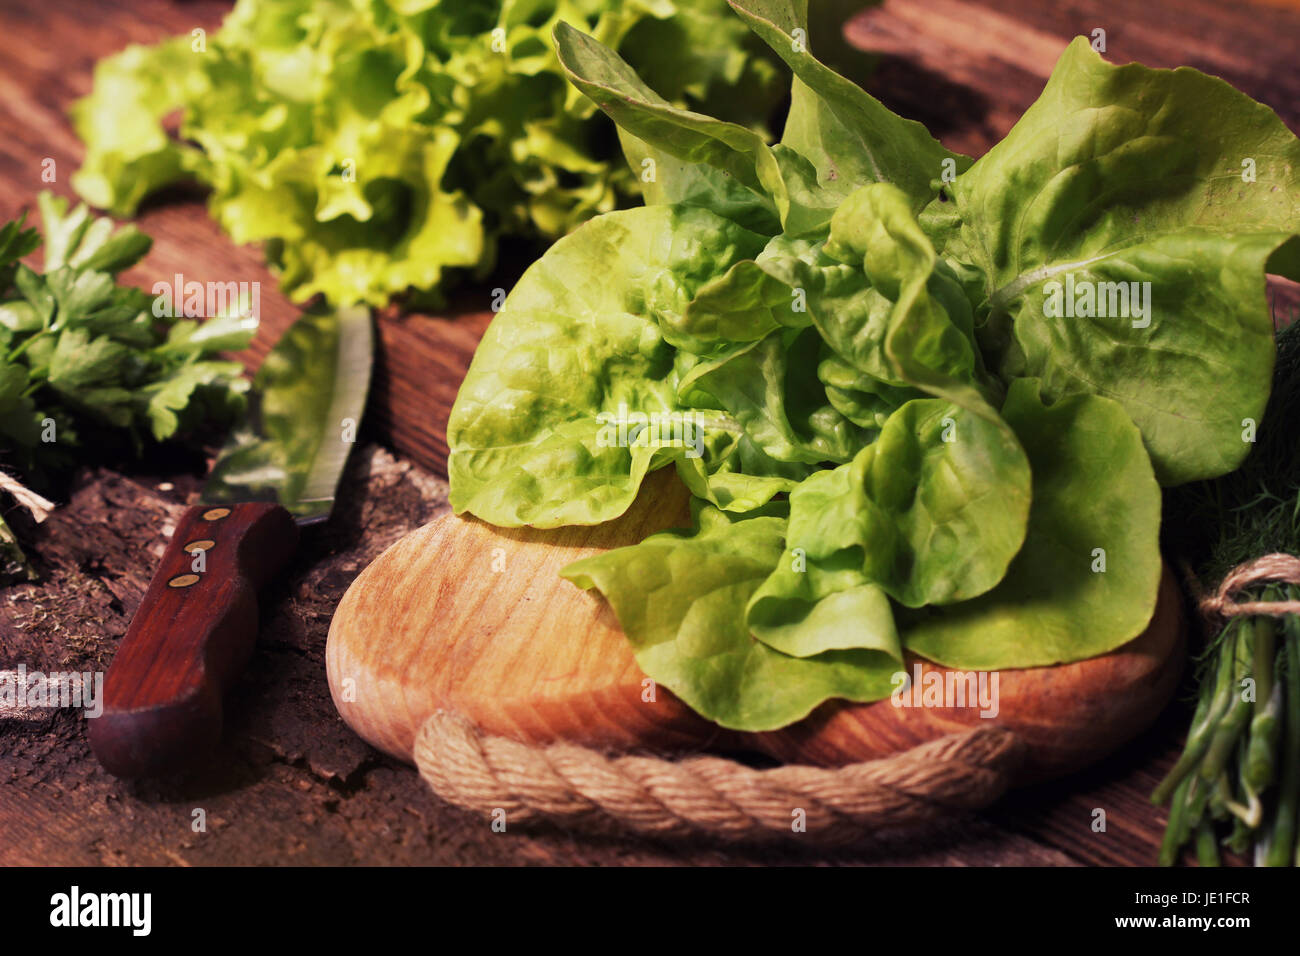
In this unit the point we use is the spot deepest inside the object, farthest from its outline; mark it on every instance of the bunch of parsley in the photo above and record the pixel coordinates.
(85, 365)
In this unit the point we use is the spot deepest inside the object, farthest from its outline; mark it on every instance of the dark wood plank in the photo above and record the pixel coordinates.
(968, 69)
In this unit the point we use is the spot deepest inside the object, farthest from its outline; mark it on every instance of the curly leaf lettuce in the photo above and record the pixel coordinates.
(376, 148)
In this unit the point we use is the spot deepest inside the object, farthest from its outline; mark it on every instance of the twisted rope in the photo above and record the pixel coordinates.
(1279, 567)
(711, 796)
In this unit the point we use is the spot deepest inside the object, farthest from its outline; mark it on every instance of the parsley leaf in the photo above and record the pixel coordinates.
(85, 365)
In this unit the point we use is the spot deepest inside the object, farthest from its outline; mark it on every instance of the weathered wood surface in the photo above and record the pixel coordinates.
(293, 784)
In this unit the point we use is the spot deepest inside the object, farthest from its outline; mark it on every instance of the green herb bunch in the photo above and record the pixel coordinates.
(1238, 778)
(86, 367)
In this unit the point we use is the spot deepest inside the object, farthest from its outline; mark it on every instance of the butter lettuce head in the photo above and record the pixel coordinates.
(906, 444)
(373, 146)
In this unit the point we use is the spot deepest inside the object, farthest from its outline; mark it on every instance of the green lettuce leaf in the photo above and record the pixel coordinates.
(532, 432)
(899, 314)
(1086, 580)
(902, 448)
(790, 182)
(1123, 174)
(771, 391)
(932, 512)
(680, 598)
(667, 180)
(747, 302)
(848, 136)
(862, 399)
(734, 474)
(607, 79)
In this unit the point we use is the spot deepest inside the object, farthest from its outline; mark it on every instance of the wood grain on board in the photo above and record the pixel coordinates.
(295, 790)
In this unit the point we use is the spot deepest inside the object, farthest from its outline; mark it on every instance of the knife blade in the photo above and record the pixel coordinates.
(196, 627)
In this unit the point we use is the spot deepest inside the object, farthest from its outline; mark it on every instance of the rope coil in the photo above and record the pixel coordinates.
(712, 796)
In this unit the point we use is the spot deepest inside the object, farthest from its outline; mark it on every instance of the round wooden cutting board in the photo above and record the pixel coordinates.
(463, 616)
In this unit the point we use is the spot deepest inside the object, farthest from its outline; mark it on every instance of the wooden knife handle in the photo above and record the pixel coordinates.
(193, 633)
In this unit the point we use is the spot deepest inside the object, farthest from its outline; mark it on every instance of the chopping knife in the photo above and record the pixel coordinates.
(196, 627)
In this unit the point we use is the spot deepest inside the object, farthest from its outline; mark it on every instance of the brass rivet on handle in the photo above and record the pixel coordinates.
(203, 544)
(215, 514)
(183, 580)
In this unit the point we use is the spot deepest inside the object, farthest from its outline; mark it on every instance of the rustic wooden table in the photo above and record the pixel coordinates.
(291, 784)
